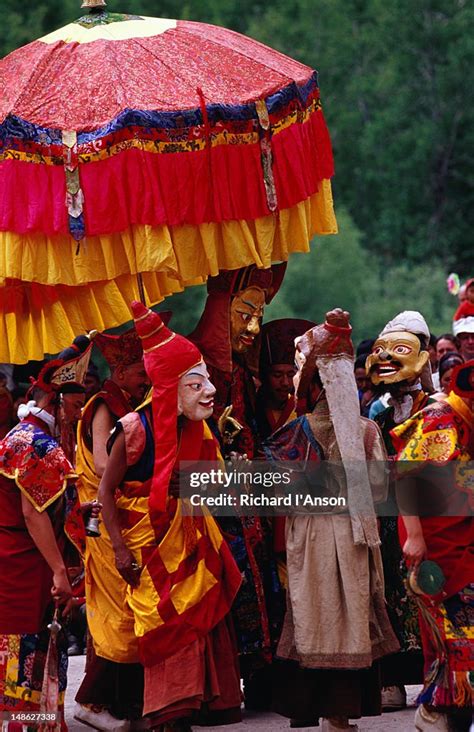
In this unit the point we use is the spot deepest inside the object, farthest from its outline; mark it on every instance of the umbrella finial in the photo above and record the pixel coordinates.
(92, 4)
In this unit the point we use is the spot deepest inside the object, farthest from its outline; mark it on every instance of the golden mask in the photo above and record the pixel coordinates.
(396, 357)
(246, 313)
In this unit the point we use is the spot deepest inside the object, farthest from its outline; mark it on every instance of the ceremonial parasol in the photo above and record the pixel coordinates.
(162, 148)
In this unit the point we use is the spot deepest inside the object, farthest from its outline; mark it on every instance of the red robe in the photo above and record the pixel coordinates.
(33, 464)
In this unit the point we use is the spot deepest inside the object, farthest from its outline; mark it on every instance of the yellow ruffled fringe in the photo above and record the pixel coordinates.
(29, 335)
(101, 279)
(187, 252)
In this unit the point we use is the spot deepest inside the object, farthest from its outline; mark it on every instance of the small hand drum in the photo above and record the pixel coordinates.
(428, 580)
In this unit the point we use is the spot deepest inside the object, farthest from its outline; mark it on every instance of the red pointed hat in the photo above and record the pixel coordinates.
(167, 356)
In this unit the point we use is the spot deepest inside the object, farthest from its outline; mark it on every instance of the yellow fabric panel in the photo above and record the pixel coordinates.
(143, 601)
(213, 531)
(103, 288)
(207, 435)
(191, 590)
(460, 406)
(172, 547)
(110, 620)
(454, 633)
(88, 480)
(143, 27)
(180, 252)
(142, 534)
(57, 260)
(26, 335)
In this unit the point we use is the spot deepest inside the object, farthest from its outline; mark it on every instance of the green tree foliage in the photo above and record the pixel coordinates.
(400, 109)
(186, 307)
(340, 272)
(394, 77)
(24, 22)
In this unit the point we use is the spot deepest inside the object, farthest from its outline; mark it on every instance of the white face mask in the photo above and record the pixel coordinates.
(196, 394)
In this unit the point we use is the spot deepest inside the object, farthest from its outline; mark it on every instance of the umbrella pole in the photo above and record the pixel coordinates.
(141, 288)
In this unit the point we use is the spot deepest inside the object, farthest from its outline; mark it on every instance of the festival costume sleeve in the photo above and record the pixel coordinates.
(42, 472)
(437, 435)
(429, 435)
(37, 464)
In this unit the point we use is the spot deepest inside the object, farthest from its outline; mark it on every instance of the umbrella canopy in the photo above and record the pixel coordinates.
(144, 145)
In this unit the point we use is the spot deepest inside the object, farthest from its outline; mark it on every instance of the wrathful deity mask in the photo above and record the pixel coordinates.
(396, 357)
(196, 393)
(246, 313)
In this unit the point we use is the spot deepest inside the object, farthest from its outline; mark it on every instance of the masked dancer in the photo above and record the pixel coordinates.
(336, 625)
(228, 335)
(181, 575)
(435, 449)
(399, 364)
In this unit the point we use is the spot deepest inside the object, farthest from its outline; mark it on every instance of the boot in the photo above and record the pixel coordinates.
(426, 721)
(101, 720)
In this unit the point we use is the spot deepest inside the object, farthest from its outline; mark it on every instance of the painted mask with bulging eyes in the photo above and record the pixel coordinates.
(396, 357)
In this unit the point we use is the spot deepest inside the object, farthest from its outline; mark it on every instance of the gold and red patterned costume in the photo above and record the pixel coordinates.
(441, 434)
(33, 465)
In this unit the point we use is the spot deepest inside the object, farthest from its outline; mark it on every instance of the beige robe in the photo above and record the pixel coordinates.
(336, 616)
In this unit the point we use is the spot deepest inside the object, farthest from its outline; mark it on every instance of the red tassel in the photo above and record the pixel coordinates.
(205, 116)
(463, 691)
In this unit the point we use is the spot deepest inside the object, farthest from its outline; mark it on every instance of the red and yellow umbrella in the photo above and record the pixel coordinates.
(166, 148)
